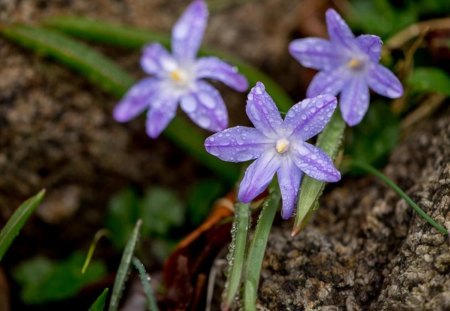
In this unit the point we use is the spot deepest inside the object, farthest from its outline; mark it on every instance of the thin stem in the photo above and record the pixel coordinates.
(367, 168)
(257, 249)
(237, 253)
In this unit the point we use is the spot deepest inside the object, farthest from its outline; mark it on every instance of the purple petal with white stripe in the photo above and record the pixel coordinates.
(310, 116)
(136, 100)
(289, 177)
(187, 34)
(371, 45)
(216, 69)
(237, 144)
(315, 53)
(315, 163)
(384, 82)
(205, 107)
(328, 82)
(262, 111)
(354, 101)
(162, 111)
(258, 176)
(338, 29)
(155, 60)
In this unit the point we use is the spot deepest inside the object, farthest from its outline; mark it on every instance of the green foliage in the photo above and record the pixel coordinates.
(145, 281)
(44, 280)
(375, 137)
(201, 197)
(124, 268)
(17, 221)
(100, 302)
(430, 79)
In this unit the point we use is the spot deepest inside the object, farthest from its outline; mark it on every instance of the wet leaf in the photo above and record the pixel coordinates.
(44, 280)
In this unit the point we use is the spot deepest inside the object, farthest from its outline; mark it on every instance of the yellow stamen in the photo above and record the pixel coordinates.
(354, 63)
(177, 76)
(282, 145)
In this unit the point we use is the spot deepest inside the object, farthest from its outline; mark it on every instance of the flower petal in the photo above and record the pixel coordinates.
(205, 107)
(216, 69)
(315, 53)
(237, 144)
(328, 82)
(354, 101)
(155, 60)
(289, 177)
(315, 163)
(262, 111)
(162, 111)
(338, 29)
(136, 100)
(371, 45)
(384, 82)
(187, 34)
(310, 116)
(258, 175)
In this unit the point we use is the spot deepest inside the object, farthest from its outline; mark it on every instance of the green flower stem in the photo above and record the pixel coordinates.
(133, 38)
(257, 249)
(236, 253)
(107, 75)
(330, 141)
(369, 169)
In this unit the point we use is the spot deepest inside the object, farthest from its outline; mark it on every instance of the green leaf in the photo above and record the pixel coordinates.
(330, 141)
(17, 221)
(237, 249)
(43, 280)
(201, 197)
(100, 302)
(123, 212)
(430, 79)
(257, 248)
(124, 268)
(375, 137)
(161, 210)
(145, 280)
(103, 72)
(128, 37)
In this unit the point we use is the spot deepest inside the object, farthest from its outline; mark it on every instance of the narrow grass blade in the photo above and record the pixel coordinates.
(17, 221)
(236, 254)
(100, 233)
(124, 268)
(129, 37)
(106, 74)
(369, 169)
(100, 302)
(330, 140)
(257, 249)
(145, 280)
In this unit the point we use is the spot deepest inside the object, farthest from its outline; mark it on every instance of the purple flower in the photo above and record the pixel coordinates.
(178, 78)
(347, 65)
(278, 146)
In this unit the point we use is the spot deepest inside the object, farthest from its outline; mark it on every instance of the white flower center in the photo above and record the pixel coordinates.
(355, 64)
(282, 145)
(179, 76)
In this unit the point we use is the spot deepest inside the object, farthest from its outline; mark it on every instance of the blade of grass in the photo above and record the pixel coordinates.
(98, 235)
(330, 140)
(145, 280)
(236, 254)
(106, 74)
(100, 302)
(369, 169)
(18, 220)
(124, 268)
(257, 249)
(133, 38)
